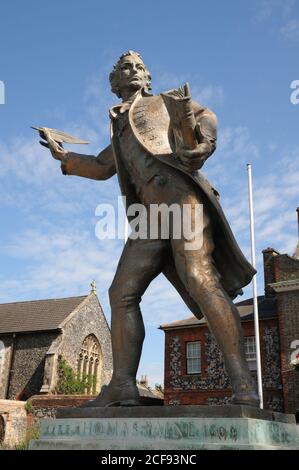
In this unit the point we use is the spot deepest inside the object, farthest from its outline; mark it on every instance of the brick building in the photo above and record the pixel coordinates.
(194, 367)
(34, 334)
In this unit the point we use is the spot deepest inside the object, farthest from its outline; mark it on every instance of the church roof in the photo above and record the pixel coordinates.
(37, 315)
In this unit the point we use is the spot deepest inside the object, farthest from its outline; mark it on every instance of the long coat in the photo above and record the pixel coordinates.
(236, 272)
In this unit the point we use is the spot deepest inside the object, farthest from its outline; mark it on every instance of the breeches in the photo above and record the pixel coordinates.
(192, 272)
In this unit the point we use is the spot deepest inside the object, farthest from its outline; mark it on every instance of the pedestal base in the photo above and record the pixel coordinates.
(168, 428)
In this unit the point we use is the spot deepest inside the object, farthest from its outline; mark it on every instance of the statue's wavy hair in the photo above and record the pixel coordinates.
(114, 75)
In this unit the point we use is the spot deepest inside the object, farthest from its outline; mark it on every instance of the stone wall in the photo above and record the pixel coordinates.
(212, 385)
(45, 406)
(27, 368)
(288, 305)
(13, 423)
(286, 269)
(194, 389)
(88, 319)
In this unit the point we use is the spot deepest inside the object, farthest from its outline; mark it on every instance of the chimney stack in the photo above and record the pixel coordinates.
(269, 255)
(144, 381)
(296, 253)
(93, 286)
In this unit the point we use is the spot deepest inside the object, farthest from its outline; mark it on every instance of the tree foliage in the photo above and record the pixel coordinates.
(69, 383)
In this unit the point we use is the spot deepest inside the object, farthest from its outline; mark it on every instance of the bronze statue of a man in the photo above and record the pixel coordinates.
(206, 278)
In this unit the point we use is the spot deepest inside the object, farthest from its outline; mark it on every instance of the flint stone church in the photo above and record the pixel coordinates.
(34, 334)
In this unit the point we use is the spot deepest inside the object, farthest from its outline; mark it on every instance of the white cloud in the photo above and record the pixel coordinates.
(32, 182)
(205, 94)
(291, 30)
(283, 11)
(99, 98)
(235, 148)
(60, 262)
(26, 160)
(162, 299)
(162, 81)
(267, 8)
(275, 200)
(208, 95)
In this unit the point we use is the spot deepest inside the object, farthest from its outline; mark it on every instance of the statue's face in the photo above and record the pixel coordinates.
(132, 74)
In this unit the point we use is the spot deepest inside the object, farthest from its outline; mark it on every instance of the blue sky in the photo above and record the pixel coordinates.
(239, 57)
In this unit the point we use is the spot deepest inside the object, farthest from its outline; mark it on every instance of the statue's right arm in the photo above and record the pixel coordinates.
(101, 167)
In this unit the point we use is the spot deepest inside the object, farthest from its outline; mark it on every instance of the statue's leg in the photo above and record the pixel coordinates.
(140, 263)
(169, 271)
(198, 273)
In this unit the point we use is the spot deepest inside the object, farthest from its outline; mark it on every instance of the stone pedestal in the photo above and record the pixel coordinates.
(168, 428)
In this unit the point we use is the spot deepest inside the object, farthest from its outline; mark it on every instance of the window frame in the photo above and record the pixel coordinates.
(193, 357)
(251, 361)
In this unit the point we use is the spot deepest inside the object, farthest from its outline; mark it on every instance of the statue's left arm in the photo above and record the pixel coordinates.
(206, 136)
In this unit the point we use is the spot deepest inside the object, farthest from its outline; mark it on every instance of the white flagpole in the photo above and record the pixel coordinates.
(254, 292)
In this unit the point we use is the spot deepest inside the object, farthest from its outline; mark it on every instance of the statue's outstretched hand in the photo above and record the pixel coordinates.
(56, 148)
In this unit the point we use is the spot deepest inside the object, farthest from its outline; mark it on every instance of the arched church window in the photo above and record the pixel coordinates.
(90, 364)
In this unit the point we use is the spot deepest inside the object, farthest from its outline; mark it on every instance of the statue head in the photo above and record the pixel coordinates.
(129, 72)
